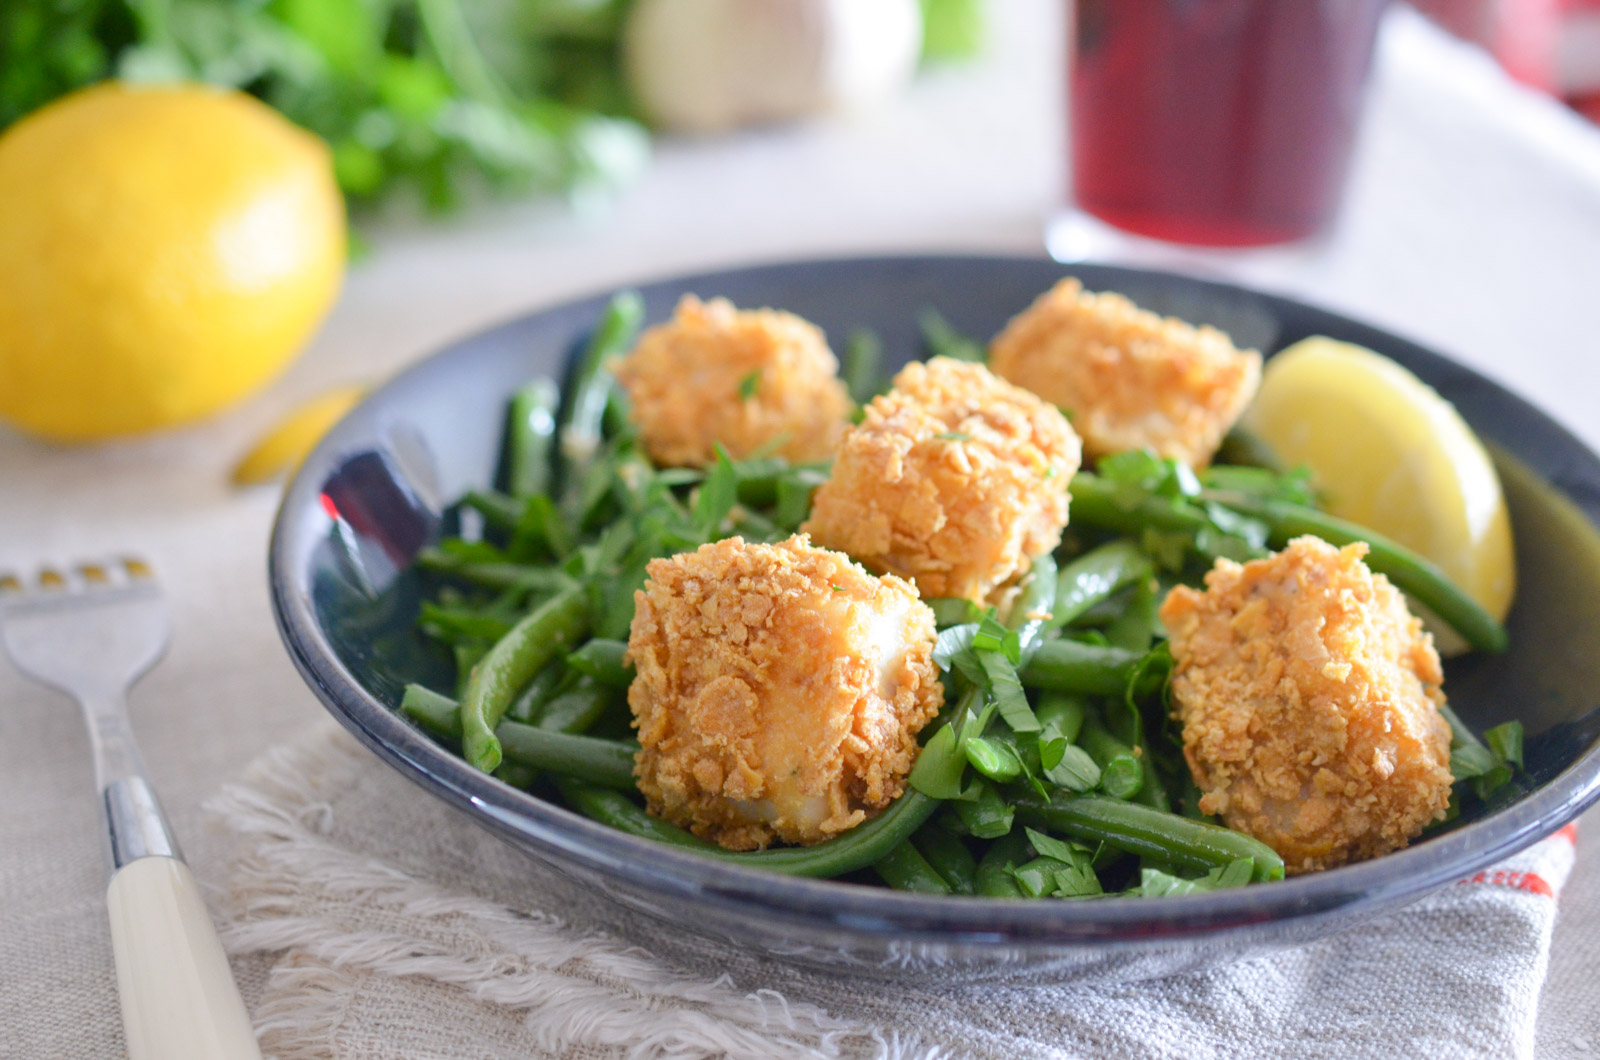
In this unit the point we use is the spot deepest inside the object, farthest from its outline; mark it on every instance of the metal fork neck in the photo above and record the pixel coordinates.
(136, 826)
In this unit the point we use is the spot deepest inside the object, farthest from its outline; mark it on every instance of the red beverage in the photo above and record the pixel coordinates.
(1218, 122)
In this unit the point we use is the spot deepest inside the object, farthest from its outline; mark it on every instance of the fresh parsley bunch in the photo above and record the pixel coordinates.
(438, 96)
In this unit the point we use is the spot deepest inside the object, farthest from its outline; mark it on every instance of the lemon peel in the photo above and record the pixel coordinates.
(1391, 454)
(166, 251)
(292, 438)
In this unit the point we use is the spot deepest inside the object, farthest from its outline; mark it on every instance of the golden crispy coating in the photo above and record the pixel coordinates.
(1130, 379)
(780, 690)
(753, 380)
(954, 479)
(1308, 696)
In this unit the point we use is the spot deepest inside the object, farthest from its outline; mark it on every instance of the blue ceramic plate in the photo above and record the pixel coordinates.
(380, 486)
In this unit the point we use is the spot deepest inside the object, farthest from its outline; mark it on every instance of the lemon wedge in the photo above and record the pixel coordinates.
(1391, 454)
(291, 440)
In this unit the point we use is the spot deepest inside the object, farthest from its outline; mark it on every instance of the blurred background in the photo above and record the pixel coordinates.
(496, 154)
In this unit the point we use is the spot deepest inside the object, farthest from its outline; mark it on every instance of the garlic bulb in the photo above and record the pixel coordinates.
(712, 65)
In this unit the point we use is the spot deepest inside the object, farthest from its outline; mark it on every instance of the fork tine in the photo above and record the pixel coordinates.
(136, 568)
(50, 578)
(9, 583)
(93, 574)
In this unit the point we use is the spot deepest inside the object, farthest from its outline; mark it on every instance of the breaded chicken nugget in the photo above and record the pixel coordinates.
(954, 479)
(1129, 378)
(1309, 700)
(750, 379)
(780, 690)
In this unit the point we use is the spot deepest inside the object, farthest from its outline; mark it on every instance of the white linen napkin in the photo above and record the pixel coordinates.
(395, 928)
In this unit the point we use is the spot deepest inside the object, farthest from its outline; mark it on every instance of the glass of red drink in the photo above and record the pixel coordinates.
(1216, 122)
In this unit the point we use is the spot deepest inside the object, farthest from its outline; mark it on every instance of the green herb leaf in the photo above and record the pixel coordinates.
(941, 340)
(1506, 742)
(1047, 846)
(953, 611)
(863, 365)
(794, 492)
(994, 636)
(1236, 873)
(750, 385)
(939, 767)
(987, 815)
(1153, 883)
(1037, 878)
(1471, 760)
(953, 649)
(718, 494)
(1075, 770)
(1005, 689)
(1077, 881)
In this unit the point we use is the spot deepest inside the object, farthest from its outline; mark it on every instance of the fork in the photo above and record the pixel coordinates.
(91, 632)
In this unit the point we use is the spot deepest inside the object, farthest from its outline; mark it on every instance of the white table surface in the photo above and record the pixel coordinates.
(1473, 224)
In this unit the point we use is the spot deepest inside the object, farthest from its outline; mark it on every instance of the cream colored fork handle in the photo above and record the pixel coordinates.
(179, 1001)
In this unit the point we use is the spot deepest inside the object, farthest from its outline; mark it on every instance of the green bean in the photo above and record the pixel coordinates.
(1121, 775)
(856, 849)
(434, 711)
(618, 811)
(467, 656)
(1240, 446)
(994, 879)
(532, 698)
(495, 575)
(533, 428)
(516, 774)
(1030, 614)
(618, 417)
(863, 365)
(461, 625)
(904, 869)
(1146, 832)
(577, 709)
(1062, 710)
(605, 661)
(510, 665)
(542, 528)
(995, 759)
(583, 412)
(1152, 792)
(606, 763)
(1409, 571)
(1127, 509)
(1090, 669)
(1096, 576)
(1135, 629)
(949, 857)
(499, 511)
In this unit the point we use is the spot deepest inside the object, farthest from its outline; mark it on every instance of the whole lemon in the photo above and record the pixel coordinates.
(164, 250)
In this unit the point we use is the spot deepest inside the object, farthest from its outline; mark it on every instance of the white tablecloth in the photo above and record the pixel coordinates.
(1473, 224)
